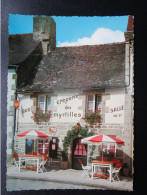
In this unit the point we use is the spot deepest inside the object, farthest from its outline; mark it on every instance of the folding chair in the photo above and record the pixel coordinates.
(85, 168)
(42, 165)
(115, 172)
(15, 159)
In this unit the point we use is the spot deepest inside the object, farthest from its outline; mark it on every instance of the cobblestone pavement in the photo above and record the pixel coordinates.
(70, 177)
(18, 185)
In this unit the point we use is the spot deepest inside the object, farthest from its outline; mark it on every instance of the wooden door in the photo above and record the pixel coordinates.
(79, 152)
(29, 146)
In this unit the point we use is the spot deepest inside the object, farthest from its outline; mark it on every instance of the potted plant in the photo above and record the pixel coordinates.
(125, 169)
(64, 162)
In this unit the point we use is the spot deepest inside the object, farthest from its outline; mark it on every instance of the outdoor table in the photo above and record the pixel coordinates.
(97, 163)
(31, 159)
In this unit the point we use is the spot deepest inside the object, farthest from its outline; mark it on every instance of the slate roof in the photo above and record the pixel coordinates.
(20, 47)
(82, 67)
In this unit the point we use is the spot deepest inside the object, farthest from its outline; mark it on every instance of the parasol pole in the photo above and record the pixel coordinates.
(102, 151)
(115, 149)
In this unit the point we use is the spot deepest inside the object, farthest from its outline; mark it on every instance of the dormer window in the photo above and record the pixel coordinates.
(80, 63)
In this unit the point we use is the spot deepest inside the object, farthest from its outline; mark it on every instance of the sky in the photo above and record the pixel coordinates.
(76, 31)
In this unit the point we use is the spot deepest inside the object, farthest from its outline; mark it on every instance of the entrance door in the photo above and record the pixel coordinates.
(79, 152)
(29, 146)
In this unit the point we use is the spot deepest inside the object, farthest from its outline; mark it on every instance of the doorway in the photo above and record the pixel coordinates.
(29, 146)
(79, 151)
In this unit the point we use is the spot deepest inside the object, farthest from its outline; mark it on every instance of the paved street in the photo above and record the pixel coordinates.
(65, 179)
(18, 184)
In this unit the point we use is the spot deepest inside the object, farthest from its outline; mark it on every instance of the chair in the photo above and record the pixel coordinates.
(85, 168)
(115, 172)
(42, 164)
(15, 159)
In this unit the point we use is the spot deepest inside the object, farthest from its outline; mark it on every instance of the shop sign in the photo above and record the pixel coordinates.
(52, 129)
(16, 104)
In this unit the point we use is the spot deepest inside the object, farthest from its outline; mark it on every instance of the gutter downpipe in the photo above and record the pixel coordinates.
(13, 133)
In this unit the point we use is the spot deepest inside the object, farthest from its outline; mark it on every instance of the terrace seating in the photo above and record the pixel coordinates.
(85, 168)
(15, 159)
(42, 164)
(115, 172)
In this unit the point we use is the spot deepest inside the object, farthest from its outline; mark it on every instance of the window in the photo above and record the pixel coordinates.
(43, 146)
(80, 149)
(94, 102)
(44, 102)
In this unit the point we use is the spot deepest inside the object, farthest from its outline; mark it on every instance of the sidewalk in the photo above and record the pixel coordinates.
(71, 176)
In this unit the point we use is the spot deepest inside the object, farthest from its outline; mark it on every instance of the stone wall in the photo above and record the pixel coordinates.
(10, 110)
(62, 129)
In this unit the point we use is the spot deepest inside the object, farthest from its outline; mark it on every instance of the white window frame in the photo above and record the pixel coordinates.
(93, 107)
(39, 97)
(45, 102)
(44, 146)
(94, 101)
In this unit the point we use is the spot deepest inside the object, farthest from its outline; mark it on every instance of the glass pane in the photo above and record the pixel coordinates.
(84, 152)
(90, 106)
(41, 105)
(80, 152)
(41, 99)
(90, 98)
(99, 98)
(76, 152)
(48, 103)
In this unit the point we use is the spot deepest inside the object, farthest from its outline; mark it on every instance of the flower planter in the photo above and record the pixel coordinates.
(126, 172)
(64, 164)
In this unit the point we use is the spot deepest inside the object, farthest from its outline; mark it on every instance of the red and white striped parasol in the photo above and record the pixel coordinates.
(97, 139)
(102, 138)
(33, 134)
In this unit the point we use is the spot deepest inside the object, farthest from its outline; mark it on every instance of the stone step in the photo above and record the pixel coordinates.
(54, 163)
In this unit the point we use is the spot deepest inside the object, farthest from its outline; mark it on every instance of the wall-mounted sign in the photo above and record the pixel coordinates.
(16, 104)
(52, 129)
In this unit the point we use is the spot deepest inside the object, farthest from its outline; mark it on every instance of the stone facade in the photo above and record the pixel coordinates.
(58, 75)
(12, 77)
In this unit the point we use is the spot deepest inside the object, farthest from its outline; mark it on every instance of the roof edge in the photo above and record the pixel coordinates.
(75, 89)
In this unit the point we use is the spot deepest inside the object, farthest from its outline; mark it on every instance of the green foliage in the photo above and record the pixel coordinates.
(93, 117)
(64, 156)
(40, 116)
(70, 134)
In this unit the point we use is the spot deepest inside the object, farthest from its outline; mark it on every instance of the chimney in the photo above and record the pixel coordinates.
(129, 35)
(44, 30)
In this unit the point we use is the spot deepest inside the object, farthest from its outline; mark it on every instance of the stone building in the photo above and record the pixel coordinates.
(70, 81)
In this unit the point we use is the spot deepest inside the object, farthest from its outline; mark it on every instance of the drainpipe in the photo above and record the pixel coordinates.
(13, 133)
